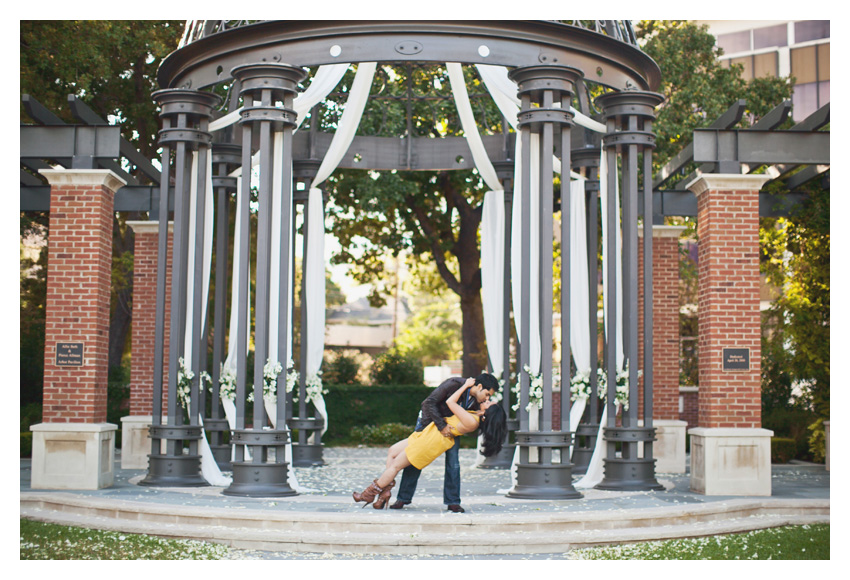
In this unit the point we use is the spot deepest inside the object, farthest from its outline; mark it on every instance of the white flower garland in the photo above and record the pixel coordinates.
(314, 387)
(227, 383)
(184, 383)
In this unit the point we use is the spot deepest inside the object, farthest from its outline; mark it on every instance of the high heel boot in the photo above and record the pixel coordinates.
(369, 494)
(384, 497)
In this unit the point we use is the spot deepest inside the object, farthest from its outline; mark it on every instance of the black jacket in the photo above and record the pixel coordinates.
(434, 407)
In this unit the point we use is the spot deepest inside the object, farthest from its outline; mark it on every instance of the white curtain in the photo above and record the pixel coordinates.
(579, 297)
(594, 472)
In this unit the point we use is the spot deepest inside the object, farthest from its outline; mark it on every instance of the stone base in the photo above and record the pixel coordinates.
(669, 446)
(73, 455)
(730, 461)
(135, 441)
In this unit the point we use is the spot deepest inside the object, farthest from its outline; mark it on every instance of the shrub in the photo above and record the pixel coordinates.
(342, 369)
(26, 444)
(817, 441)
(30, 415)
(385, 434)
(782, 449)
(394, 368)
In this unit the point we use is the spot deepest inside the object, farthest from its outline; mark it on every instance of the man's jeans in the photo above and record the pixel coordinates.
(451, 480)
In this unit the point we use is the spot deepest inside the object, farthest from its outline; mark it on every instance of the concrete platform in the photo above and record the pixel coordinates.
(325, 520)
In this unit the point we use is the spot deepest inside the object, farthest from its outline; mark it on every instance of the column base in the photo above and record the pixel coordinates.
(544, 482)
(174, 471)
(73, 455)
(502, 460)
(260, 480)
(135, 441)
(730, 461)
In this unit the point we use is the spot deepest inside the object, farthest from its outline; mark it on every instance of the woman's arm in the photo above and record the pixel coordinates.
(468, 422)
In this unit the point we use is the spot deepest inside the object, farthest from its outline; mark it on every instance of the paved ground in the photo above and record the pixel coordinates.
(349, 469)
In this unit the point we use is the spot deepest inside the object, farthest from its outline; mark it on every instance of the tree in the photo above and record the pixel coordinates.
(111, 66)
(434, 216)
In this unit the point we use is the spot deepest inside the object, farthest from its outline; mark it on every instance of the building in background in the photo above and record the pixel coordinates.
(798, 48)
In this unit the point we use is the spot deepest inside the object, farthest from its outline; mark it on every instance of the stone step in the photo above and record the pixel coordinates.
(410, 533)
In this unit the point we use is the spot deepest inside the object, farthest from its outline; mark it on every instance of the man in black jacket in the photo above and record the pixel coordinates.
(434, 409)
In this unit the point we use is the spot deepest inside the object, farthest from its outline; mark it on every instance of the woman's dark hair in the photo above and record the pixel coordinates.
(493, 426)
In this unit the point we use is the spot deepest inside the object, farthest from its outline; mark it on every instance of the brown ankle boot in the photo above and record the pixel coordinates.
(384, 497)
(368, 495)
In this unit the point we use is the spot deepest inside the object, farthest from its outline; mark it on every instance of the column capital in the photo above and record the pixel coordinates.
(84, 177)
(148, 226)
(661, 231)
(727, 182)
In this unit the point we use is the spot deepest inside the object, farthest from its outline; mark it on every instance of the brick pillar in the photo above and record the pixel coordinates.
(669, 448)
(730, 453)
(135, 440)
(74, 446)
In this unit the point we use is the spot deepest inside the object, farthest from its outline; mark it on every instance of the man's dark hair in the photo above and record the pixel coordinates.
(487, 381)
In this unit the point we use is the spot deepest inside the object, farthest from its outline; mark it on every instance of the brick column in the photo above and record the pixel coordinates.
(669, 448)
(74, 446)
(135, 440)
(730, 453)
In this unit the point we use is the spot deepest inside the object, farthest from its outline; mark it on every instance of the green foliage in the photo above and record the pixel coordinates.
(782, 449)
(789, 422)
(385, 434)
(341, 369)
(394, 368)
(817, 441)
(697, 88)
(26, 444)
(358, 405)
(42, 541)
(432, 333)
(806, 542)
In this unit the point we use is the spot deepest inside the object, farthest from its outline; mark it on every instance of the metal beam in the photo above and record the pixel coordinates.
(725, 121)
(678, 203)
(39, 113)
(774, 118)
(805, 175)
(75, 141)
(127, 198)
(734, 147)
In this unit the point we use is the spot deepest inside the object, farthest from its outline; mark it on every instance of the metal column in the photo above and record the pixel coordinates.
(629, 116)
(545, 93)
(185, 115)
(267, 90)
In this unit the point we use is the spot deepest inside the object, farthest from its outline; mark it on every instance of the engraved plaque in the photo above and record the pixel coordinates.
(736, 359)
(69, 354)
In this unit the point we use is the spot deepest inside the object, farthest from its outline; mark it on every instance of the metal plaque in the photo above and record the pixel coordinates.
(736, 359)
(69, 354)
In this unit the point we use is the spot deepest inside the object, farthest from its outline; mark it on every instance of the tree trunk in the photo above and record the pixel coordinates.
(474, 345)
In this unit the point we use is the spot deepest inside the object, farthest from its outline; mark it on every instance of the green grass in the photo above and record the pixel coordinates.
(41, 541)
(806, 542)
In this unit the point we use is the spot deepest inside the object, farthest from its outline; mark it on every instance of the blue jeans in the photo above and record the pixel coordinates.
(451, 480)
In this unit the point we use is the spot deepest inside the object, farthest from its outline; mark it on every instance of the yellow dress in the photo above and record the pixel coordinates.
(425, 446)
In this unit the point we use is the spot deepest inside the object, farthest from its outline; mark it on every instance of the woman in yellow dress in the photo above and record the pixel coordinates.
(423, 447)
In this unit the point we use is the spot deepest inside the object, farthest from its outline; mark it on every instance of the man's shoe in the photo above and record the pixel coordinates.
(399, 503)
(454, 508)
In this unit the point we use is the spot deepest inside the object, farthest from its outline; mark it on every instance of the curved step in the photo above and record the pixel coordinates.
(351, 530)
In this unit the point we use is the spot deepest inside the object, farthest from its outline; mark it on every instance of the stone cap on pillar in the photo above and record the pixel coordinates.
(148, 226)
(727, 182)
(730, 432)
(662, 231)
(84, 177)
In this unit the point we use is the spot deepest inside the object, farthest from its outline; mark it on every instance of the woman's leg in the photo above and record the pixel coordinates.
(394, 450)
(398, 462)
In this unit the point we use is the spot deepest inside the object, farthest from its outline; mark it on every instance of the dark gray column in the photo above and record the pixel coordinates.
(226, 158)
(185, 115)
(306, 422)
(267, 90)
(586, 162)
(545, 92)
(629, 116)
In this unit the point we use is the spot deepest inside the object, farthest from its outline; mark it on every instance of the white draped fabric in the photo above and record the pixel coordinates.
(579, 297)
(594, 472)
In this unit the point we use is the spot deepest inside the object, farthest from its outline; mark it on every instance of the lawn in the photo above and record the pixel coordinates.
(41, 541)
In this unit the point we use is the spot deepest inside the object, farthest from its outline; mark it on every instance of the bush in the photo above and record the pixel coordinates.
(782, 449)
(30, 415)
(26, 444)
(359, 405)
(385, 434)
(790, 422)
(817, 441)
(393, 368)
(342, 369)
